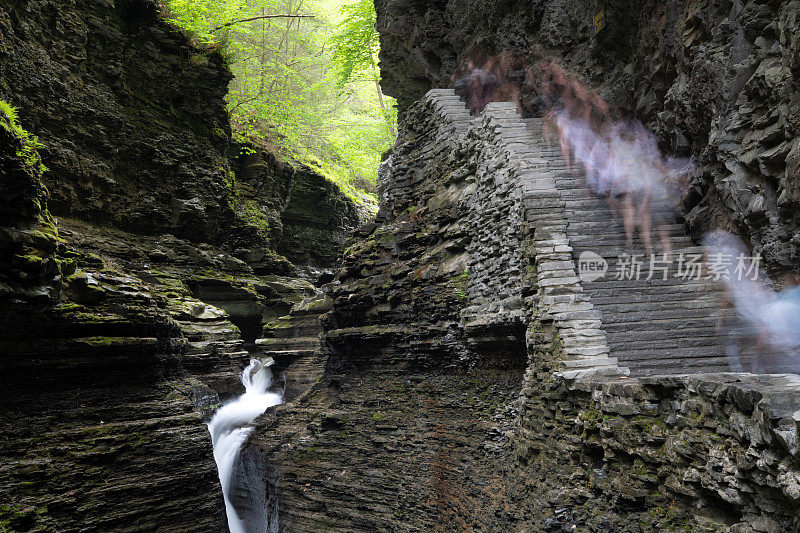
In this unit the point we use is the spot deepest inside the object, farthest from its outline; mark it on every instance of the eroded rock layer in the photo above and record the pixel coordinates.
(406, 424)
(453, 399)
(127, 316)
(132, 117)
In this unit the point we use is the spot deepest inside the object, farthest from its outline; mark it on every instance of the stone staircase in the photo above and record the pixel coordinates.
(656, 325)
(668, 324)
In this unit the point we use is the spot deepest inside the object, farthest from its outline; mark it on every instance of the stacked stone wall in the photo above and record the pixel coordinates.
(709, 452)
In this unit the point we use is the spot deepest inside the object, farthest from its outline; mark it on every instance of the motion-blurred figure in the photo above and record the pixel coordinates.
(773, 316)
(479, 83)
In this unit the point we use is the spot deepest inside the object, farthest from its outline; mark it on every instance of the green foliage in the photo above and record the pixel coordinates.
(306, 89)
(28, 151)
(355, 45)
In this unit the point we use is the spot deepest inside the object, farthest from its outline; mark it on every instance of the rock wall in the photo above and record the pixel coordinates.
(432, 413)
(715, 452)
(297, 212)
(118, 345)
(717, 80)
(135, 132)
(407, 420)
(316, 221)
(132, 117)
(29, 268)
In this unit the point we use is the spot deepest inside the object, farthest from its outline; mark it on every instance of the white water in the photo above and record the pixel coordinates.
(231, 425)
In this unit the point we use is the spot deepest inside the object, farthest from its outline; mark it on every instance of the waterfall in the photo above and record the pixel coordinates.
(231, 425)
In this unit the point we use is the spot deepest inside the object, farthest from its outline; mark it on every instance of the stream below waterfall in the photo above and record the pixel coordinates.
(232, 424)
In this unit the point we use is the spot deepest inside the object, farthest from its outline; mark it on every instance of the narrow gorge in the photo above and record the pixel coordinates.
(201, 333)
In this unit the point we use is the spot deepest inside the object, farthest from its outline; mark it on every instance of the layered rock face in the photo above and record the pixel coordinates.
(716, 80)
(29, 240)
(136, 134)
(405, 424)
(465, 380)
(118, 345)
(290, 212)
(132, 117)
(316, 221)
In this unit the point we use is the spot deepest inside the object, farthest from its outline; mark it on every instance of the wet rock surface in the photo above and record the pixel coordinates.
(712, 452)
(132, 292)
(108, 391)
(132, 117)
(290, 212)
(29, 266)
(316, 222)
(406, 424)
(135, 132)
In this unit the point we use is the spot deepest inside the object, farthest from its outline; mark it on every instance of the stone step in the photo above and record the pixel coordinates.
(586, 202)
(705, 365)
(214, 346)
(620, 339)
(602, 212)
(614, 315)
(654, 326)
(630, 289)
(293, 331)
(693, 326)
(671, 283)
(667, 344)
(294, 325)
(661, 355)
(587, 206)
(655, 298)
(588, 237)
(610, 233)
(613, 252)
(283, 355)
(635, 342)
(587, 362)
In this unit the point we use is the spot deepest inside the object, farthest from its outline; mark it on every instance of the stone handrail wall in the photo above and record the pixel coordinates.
(719, 449)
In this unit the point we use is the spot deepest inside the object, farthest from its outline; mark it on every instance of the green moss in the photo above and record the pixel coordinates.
(669, 519)
(255, 215)
(698, 417)
(10, 515)
(639, 468)
(308, 454)
(646, 423)
(100, 341)
(590, 416)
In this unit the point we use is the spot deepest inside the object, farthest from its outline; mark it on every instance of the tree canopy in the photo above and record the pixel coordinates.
(307, 83)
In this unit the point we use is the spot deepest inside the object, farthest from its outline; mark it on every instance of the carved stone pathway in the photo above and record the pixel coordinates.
(666, 324)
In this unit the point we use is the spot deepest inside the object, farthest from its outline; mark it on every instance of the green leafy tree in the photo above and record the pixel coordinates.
(288, 94)
(356, 46)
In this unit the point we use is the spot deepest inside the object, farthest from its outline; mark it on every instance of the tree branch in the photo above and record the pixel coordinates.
(227, 24)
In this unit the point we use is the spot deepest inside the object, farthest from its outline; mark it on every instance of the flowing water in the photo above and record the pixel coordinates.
(231, 425)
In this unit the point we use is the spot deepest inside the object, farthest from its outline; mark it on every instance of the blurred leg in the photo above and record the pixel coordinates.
(646, 223)
(629, 217)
